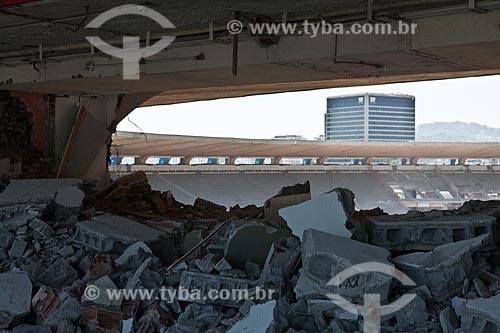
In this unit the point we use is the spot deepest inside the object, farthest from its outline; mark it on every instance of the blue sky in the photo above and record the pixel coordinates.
(301, 113)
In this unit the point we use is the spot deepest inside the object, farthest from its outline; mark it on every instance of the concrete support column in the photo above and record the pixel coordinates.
(414, 160)
(462, 160)
(321, 160)
(276, 160)
(141, 159)
(368, 161)
(186, 160)
(231, 160)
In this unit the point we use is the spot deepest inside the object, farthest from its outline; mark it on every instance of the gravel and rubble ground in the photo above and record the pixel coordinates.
(130, 259)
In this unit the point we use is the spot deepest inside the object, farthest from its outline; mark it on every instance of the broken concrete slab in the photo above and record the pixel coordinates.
(41, 228)
(412, 315)
(15, 297)
(328, 212)
(251, 242)
(133, 256)
(33, 190)
(68, 202)
(481, 315)
(59, 274)
(6, 239)
(421, 233)
(113, 233)
(259, 319)
(17, 249)
(69, 197)
(443, 270)
(325, 255)
(287, 196)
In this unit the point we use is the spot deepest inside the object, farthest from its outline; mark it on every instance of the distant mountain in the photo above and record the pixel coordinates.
(457, 132)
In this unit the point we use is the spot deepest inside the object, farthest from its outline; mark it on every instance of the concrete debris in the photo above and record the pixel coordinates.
(199, 285)
(17, 249)
(42, 228)
(481, 315)
(413, 315)
(113, 233)
(287, 196)
(259, 319)
(330, 212)
(251, 243)
(53, 307)
(280, 262)
(206, 264)
(444, 269)
(68, 202)
(131, 195)
(133, 256)
(15, 297)
(33, 190)
(421, 233)
(325, 255)
(56, 244)
(59, 274)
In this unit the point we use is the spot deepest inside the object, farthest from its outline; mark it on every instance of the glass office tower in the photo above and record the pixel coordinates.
(370, 118)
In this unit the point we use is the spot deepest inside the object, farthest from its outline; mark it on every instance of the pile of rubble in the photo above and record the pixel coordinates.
(130, 259)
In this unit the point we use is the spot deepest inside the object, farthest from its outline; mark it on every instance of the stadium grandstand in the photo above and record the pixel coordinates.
(395, 188)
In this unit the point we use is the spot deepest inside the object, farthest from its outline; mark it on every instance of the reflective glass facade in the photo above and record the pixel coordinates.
(370, 117)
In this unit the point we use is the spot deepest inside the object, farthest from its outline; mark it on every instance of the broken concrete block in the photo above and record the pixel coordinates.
(59, 274)
(6, 239)
(259, 319)
(41, 228)
(400, 233)
(15, 217)
(251, 243)
(223, 265)
(325, 255)
(206, 264)
(282, 258)
(100, 265)
(448, 320)
(412, 315)
(66, 251)
(134, 256)
(328, 212)
(253, 270)
(195, 288)
(15, 297)
(68, 202)
(481, 315)
(17, 249)
(191, 240)
(113, 233)
(102, 300)
(53, 306)
(287, 196)
(70, 197)
(34, 190)
(443, 270)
